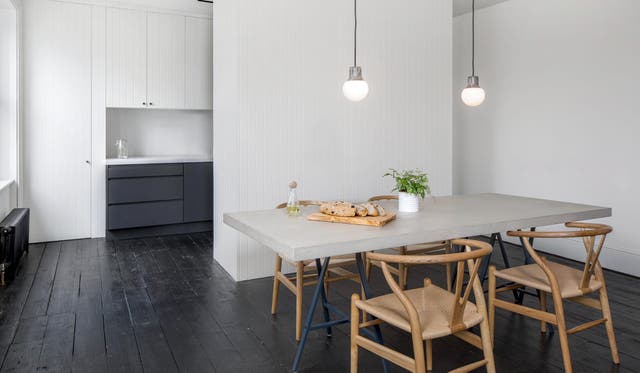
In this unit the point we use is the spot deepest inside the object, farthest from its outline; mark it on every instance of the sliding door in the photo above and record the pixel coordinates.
(56, 182)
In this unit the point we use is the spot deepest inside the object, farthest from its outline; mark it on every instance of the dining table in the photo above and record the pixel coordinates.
(295, 238)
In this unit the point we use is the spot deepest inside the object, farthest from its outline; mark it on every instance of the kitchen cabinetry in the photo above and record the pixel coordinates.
(153, 199)
(166, 61)
(126, 81)
(157, 60)
(56, 126)
(199, 51)
(78, 57)
(198, 192)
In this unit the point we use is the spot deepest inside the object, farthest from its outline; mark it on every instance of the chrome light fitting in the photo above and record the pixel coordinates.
(355, 88)
(473, 95)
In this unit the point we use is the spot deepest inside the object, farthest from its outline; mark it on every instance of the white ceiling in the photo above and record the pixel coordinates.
(6, 4)
(464, 6)
(459, 6)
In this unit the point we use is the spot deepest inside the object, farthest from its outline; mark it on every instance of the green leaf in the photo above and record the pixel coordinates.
(410, 181)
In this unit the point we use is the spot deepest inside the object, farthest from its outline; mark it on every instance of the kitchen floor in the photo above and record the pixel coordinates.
(161, 305)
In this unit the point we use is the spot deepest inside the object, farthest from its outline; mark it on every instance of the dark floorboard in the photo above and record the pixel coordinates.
(163, 305)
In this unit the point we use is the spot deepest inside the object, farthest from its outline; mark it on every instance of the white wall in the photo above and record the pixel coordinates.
(6, 204)
(9, 109)
(561, 116)
(8, 92)
(279, 113)
(160, 132)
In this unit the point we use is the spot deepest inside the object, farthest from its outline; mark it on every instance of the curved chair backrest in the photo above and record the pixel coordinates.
(474, 252)
(593, 236)
(382, 198)
(302, 203)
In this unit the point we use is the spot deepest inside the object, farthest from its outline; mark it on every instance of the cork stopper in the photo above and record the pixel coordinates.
(293, 185)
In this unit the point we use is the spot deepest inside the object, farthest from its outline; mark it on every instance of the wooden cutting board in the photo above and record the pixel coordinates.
(375, 221)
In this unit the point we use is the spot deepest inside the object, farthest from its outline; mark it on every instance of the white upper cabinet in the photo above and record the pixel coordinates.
(157, 60)
(166, 61)
(199, 63)
(126, 58)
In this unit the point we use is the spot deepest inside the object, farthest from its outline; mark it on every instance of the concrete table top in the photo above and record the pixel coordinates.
(440, 218)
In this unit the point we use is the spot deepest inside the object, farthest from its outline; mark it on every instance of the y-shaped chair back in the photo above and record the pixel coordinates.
(471, 257)
(593, 236)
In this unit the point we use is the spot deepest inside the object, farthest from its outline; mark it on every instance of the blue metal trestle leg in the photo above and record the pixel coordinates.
(323, 296)
(312, 308)
(319, 295)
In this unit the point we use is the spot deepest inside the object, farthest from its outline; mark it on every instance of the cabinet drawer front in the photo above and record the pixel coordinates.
(145, 189)
(145, 214)
(145, 170)
(198, 192)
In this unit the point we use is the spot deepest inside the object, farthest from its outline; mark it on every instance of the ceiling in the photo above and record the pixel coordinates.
(459, 6)
(464, 6)
(6, 4)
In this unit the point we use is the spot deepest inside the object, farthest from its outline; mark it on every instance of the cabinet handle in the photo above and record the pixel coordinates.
(151, 104)
(87, 162)
(144, 104)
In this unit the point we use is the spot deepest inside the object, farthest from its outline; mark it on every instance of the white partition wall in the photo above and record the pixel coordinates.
(279, 112)
(561, 116)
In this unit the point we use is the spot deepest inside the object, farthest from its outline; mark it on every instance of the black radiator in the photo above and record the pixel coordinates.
(14, 241)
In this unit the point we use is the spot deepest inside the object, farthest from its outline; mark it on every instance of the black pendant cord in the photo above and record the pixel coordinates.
(473, 37)
(355, 32)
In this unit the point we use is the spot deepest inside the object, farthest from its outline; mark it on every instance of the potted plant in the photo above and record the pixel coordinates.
(411, 186)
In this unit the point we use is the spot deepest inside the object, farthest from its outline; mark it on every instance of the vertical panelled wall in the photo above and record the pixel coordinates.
(560, 120)
(8, 93)
(279, 112)
(9, 113)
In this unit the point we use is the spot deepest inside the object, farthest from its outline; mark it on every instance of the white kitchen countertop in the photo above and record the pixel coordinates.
(159, 159)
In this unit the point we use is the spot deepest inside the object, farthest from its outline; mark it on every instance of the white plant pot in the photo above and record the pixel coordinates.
(408, 202)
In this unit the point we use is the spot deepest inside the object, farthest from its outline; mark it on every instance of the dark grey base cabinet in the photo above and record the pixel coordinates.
(198, 193)
(155, 199)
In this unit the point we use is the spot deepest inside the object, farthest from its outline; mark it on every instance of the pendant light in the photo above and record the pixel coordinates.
(355, 88)
(473, 95)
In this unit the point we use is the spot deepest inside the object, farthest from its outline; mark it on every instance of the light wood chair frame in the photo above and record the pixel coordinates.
(304, 276)
(593, 237)
(402, 269)
(422, 359)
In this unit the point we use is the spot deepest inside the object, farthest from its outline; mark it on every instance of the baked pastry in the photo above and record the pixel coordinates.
(361, 210)
(338, 209)
(371, 209)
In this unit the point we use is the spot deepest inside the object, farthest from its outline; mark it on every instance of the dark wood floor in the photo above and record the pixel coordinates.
(163, 305)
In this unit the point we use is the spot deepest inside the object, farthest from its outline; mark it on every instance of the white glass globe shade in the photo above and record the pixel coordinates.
(355, 90)
(472, 96)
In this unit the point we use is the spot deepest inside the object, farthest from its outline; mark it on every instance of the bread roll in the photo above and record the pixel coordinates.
(381, 210)
(361, 210)
(338, 209)
(371, 209)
